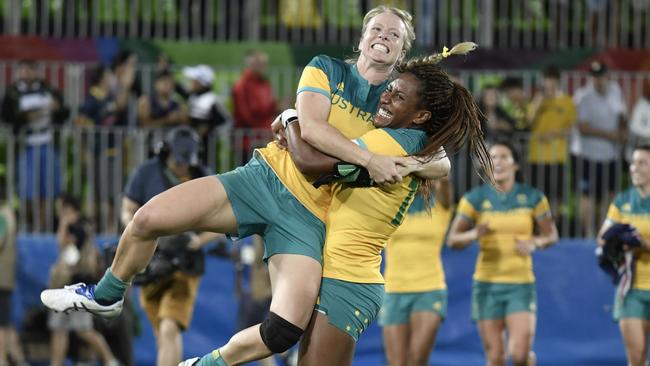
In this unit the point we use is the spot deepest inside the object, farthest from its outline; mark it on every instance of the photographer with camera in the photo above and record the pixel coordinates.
(170, 282)
(78, 261)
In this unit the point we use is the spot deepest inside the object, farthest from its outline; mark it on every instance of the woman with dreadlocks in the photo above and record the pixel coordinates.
(270, 197)
(420, 112)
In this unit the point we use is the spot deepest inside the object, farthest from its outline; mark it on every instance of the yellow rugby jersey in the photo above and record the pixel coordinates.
(629, 208)
(511, 216)
(353, 104)
(554, 114)
(361, 220)
(413, 252)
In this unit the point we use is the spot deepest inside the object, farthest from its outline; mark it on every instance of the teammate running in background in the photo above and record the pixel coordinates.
(633, 207)
(415, 303)
(504, 223)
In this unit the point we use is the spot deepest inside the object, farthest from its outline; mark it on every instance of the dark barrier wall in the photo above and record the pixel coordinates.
(574, 308)
(296, 54)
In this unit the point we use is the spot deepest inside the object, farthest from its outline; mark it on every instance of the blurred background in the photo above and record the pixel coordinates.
(90, 88)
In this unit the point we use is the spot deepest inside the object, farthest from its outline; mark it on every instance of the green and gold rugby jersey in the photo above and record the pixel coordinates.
(629, 207)
(353, 104)
(510, 216)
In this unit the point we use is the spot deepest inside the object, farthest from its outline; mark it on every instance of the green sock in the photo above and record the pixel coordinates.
(110, 289)
(212, 359)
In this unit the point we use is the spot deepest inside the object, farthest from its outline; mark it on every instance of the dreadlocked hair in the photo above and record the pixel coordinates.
(455, 117)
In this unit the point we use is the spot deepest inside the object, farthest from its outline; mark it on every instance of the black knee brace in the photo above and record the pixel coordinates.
(278, 334)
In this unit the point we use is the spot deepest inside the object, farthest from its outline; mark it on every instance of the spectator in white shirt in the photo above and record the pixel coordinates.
(596, 144)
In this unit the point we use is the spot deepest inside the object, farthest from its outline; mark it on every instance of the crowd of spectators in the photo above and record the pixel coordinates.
(181, 118)
(114, 98)
(590, 127)
(575, 145)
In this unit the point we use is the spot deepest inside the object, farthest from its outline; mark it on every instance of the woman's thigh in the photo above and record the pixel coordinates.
(424, 327)
(324, 344)
(396, 343)
(295, 282)
(199, 204)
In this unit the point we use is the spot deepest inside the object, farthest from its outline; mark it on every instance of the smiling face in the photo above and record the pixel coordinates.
(505, 166)
(399, 104)
(383, 39)
(640, 168)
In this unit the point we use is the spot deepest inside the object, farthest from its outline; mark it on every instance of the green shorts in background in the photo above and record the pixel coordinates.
(398, 306)
(496, 300)
(350, 306)
(635, 304)
(264, 206)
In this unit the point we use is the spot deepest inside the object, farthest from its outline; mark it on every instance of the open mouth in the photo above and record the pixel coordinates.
(380, 47)
(384, 113)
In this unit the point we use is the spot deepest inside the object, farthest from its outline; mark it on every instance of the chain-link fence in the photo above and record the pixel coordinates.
(78, 161)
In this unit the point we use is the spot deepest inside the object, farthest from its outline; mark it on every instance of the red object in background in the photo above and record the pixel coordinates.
(55, 53)
(254, 104)
(626, 60)
(621, 60)
(255, 107)
(43, 49)
(16, 48)
(33, 48)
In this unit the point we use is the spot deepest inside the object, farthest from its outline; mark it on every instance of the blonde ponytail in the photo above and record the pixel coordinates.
(462, 48)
